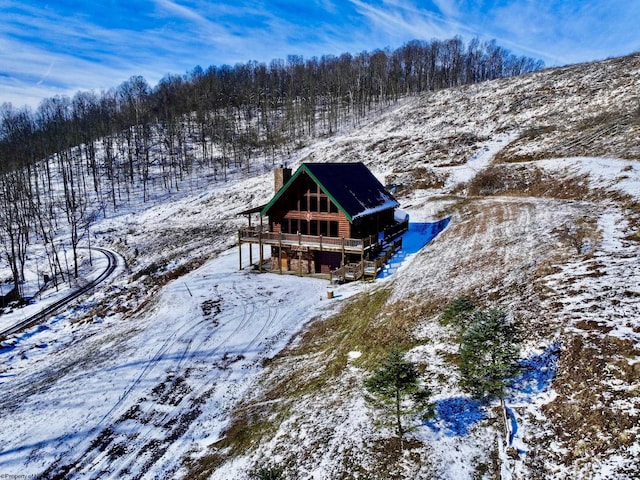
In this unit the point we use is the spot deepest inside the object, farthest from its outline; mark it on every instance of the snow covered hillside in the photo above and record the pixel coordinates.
(182, 366)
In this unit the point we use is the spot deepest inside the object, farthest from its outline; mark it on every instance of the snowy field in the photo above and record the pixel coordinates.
(132, 397)
(113, 402)
(147, 370)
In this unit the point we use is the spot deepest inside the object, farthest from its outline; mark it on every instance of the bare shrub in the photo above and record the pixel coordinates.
(503, 179)
(579, 235)
(537, 131)
(418, 178)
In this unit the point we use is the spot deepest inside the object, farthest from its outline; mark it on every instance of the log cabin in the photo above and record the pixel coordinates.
(333, 219)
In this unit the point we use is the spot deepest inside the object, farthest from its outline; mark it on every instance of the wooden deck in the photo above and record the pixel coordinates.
(380, 251)
(311, 242)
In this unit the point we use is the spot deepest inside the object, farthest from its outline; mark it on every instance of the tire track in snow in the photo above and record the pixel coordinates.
(221, 373)
(97, 434)
(146, 419)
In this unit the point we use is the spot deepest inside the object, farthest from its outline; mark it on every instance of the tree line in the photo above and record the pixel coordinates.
(74, 158)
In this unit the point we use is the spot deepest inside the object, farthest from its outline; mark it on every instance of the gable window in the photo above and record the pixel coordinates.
(333, 208)
(324, 204)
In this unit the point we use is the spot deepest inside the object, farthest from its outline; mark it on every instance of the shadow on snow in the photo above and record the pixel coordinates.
(416, 237)
(537, 372)
(456, 415)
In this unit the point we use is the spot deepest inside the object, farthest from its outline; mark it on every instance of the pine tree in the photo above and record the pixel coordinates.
(489, 354)
(458, 314)
(395, 387)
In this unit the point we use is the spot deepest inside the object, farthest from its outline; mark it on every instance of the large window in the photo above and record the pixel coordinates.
(312, 199)
(333, 229)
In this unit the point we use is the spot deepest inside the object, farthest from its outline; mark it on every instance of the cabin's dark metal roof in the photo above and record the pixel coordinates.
(351, 186)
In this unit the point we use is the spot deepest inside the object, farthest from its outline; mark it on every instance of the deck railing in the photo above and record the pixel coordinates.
(365, 268)
(396, 229)
(256, 235)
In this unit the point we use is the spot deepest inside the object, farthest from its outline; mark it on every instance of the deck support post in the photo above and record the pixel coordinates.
(250, 247)
(260, 246)
(260, 251)
(240, 247)
(280, 253)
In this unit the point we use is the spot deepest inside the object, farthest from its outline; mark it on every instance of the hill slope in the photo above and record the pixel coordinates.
(548, 231)
(540, 175)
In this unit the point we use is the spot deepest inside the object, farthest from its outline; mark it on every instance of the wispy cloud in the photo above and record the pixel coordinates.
(394, 21)
(59, 48)
(449, 8)
(566, 32)
(182, 11)
(47, 73)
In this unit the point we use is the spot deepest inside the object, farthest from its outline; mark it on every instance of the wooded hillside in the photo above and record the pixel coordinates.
(106, 148)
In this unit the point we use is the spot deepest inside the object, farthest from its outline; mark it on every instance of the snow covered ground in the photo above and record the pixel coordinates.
(124, 398)
(147, 371)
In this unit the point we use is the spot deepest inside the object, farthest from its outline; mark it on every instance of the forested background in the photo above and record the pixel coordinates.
(72, 160)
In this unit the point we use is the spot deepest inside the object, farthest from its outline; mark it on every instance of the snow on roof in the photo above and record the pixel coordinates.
(351, 186)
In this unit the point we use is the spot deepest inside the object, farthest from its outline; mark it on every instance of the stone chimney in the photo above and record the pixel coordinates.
(281, 175)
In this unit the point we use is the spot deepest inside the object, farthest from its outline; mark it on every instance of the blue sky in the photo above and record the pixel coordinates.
(60, 47)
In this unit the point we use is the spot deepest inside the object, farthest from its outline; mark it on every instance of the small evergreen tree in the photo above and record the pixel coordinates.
(395, 387)
(458, 314)
(489, 355)
(267, 472)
